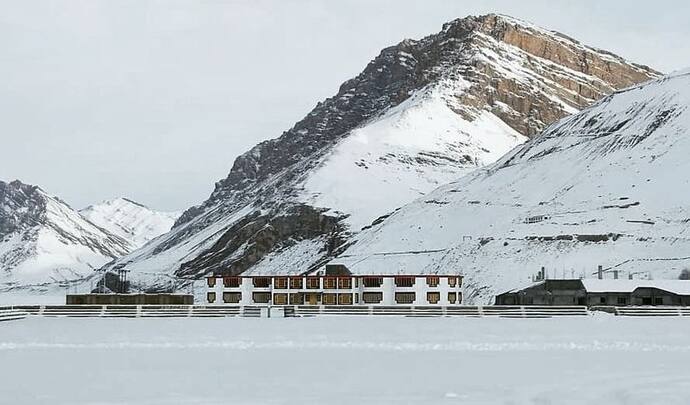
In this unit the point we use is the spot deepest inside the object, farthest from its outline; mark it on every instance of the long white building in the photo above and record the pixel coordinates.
(343, 289)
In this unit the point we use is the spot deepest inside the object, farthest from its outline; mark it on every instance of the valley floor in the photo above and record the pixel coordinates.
(342, 360)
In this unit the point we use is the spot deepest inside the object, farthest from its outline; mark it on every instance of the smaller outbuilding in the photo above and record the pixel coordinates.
(593, 292)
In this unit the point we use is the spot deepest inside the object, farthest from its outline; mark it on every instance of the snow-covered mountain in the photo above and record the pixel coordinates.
(43, 240)
(130, 220)
(608, 186)
(422, 113)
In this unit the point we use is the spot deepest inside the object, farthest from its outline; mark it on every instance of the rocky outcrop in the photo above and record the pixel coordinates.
(491, 69)
(43, 240)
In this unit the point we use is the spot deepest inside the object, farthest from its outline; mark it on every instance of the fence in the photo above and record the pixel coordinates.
(218, 311)
(7, 314)
(199, 311)
(430, 311)
(652, 311)
(142, 311)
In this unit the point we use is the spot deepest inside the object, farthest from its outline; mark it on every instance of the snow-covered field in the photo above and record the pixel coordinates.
(599, 359)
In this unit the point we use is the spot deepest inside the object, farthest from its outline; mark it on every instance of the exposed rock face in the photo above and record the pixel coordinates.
(43, 240)
(606, 186)
(423, 112)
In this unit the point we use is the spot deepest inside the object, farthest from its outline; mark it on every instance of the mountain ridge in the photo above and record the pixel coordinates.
(489, 82)
(584, 193)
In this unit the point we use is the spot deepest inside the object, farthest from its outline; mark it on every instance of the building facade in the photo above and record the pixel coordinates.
(335, 289)
(597, 292)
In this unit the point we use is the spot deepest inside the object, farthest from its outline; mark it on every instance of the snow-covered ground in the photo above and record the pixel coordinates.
(598, 359)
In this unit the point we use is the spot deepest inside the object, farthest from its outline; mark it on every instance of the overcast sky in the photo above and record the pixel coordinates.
(153, 100)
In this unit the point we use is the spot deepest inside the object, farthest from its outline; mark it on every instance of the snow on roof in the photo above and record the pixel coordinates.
(680, 287)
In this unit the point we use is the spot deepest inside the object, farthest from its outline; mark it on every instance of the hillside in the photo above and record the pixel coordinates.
(602, 187)
(422, 113)
(130, 220)
(44, 241)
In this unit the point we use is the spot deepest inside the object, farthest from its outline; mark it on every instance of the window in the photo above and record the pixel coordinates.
(329, 283)
(211, 281)
(622, 301)
(344, 299)
(452, 297)
(313, 282)
(232, 282)
(646, 300)
(433, 297)
(296, 283)
(262, 282)
(345, 283)
(459, 281)
(602, 300)
(296, 299)
(404, 281)
(404, 297)
(432, 281)
(459, 298)
(372, 282)
(280, 283)
(356, 298)
(211, 297)
(313, 298)
(261, 297)
(232, 297)
(372, 297)
(329, 299)
(452, 281)
(658, 301)
(280, 299)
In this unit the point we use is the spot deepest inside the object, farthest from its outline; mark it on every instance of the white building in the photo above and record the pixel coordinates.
(342, 289)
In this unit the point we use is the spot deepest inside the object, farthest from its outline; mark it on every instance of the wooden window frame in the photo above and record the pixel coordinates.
(452, 281)
(344, 283)
(366, 297)
(232, 282)
(211, 297)
(433, 297)
(280, 298)
(399, 297)
(432, 281)
(372, 282)
(228, 300)
(311, 285)
(308, 294)
(326, 298)
(345, 299)
(296, 283)
(280, 283)
(404, 281)
(261, 293)
(296, 299)
(256, 279)
(330, 283)
(452, 297)
(211, 281)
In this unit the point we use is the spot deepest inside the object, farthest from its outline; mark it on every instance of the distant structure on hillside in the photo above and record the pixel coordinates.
(336, 286)
(593, 292)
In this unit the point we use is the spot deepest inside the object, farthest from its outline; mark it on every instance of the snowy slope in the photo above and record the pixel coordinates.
(422, 113)
(43, 240)
(412, 149)
(605, 187)
(130, 220)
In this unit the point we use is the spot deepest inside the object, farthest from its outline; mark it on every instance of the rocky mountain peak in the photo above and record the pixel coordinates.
(421, 113)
